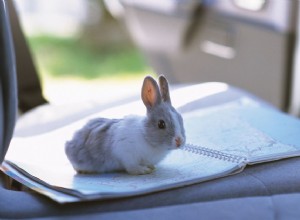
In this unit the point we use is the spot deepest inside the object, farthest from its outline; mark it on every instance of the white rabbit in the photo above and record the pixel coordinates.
(135, 143)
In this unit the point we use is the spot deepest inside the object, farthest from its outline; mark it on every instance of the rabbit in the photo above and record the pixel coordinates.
(134, 144)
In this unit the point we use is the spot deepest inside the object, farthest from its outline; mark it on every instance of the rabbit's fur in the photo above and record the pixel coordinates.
(134, 144)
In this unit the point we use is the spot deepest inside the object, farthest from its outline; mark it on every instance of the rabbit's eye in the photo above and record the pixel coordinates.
(161, 124)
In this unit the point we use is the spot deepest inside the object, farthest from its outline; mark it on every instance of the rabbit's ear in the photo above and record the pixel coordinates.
(164, 89)
(150, 93)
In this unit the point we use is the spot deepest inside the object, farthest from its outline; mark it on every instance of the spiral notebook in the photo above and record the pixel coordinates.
(222, 141)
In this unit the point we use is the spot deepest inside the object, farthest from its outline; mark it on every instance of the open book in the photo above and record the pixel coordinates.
(222, 141)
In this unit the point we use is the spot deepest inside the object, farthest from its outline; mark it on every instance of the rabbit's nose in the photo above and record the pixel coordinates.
(178, 141)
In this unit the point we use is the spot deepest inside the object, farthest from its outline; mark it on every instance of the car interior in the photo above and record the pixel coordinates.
(215, 48)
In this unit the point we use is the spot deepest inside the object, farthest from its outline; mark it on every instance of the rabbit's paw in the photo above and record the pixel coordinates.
(140, 170)
(152, 167)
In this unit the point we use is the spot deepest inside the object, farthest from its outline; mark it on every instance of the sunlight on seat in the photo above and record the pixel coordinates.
(185, 95)
(180, 97)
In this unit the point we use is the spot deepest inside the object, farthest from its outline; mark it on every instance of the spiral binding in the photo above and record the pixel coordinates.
(213, 153)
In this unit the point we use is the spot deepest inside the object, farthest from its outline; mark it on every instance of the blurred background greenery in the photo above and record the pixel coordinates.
(80, 49)
(74, 58)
